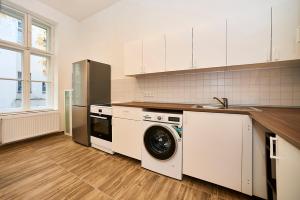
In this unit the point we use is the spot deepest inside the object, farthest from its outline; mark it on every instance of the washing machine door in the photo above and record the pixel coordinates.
(160, 142)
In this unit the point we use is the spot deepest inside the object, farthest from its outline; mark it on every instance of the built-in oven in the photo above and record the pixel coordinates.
(101, 127)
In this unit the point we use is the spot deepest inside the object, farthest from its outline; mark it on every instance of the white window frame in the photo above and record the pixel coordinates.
(27, 50)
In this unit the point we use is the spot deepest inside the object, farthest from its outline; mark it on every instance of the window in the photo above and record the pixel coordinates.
(12, 25)
(39, 74)
(40, 36)
(26, 80)
(10, 81)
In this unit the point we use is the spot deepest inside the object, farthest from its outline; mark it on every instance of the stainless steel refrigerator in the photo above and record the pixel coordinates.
(91, 83)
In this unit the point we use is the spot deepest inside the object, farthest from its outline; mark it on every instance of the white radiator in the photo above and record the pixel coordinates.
(27, 125)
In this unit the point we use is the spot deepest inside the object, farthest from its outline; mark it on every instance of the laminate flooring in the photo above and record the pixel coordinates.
(55, 167)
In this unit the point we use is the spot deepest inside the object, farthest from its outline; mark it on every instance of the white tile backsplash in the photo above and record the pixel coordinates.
(272, 86)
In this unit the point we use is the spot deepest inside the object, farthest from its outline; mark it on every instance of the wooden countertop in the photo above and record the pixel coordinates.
(182, 107)
(284, 122)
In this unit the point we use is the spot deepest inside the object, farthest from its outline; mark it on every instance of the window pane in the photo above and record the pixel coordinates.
(39, 36)
(10, 64)
(39, 68)
(11, 26)
(13, 95)
(39, 94)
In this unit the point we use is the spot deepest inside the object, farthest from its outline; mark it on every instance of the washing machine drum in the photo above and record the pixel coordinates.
(159, 142)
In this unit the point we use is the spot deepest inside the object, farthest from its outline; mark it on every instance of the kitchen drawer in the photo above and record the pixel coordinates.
(127, 113)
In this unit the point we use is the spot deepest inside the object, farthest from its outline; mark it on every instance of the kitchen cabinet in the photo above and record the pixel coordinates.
(286, 29)
(127, 131)
(249, 34)
(209, 44)
(217, 148)
(179, 50)
(133, 58)
(154, 54)
(287, 158)
(259, 161)
(257, 32)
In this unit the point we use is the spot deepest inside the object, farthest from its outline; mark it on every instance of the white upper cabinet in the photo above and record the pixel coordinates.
(209, 44)
(285, 22)
(258, 31)
(133, 58)
(154, 54)
(179, 50)
(249, 34)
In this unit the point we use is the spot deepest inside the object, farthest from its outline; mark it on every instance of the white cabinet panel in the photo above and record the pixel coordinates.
(287, 170)
(213, 149)
(209, 44)
(127, 137)
(249, 35)
(285, 21)
(133, 59)
(127, 112)
(179, 50)
(259, 161)
(154, 54)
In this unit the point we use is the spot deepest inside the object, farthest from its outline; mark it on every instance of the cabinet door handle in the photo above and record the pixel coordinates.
(272, 140)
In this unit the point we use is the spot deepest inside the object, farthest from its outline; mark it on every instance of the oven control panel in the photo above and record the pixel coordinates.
(101, 110)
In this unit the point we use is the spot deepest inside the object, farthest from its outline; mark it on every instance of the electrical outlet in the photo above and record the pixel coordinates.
(151, 94)
(148, 94)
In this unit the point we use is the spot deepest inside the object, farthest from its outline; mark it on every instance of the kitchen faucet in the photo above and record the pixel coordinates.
(224, 102)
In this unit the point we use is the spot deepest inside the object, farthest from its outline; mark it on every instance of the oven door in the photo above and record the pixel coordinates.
(101, 127)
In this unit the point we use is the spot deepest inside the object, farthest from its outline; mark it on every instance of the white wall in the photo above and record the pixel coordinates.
(67, 45)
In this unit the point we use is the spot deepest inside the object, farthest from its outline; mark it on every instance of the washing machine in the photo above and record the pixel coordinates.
(162, 143)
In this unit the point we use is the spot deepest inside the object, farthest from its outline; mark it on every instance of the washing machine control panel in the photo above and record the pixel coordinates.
(163, 117)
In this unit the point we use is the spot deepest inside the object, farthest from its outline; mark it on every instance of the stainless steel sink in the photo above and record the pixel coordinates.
(243, 108)
(208, 106)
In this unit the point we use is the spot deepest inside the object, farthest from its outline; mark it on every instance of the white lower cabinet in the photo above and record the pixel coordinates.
(217, 148)
(287, 170)
(127, 131)
(127, 137)
(259, 161)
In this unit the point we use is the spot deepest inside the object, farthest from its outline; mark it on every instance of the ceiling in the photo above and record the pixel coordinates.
(79, 9)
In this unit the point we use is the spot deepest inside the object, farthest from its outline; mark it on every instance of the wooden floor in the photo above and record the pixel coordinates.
(54, 167)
